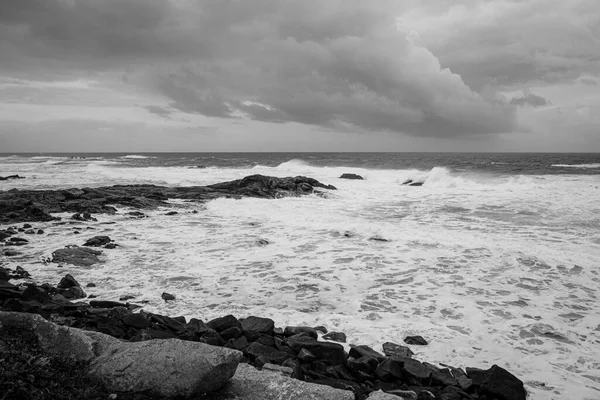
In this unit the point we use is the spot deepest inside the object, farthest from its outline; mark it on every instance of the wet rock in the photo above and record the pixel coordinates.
(351, 176)
(111, 246)
(416, 369)
(172, 213)
(262, 242)
(21, 273)
(378, 239)
(166, 368)
(231, 333)
(11, 253)
(405, 394)
(336, 337)
(67, 282)
(167, 296)
(364, 351)
(17, 241)
(415, 340)
(295, 330)
(324, 351)
(35, 293)
(137, 321)
(136, 214)
(5, 178)
(30, 232)
(106, 304)
(268, 354)
(83, 217)
(258, 325)
(321, 329)
(75, 255)
(97, 241)
(223, 323)
(498, 382)
(126, 297)
(40, 232)
(395, 350)
(389, 371)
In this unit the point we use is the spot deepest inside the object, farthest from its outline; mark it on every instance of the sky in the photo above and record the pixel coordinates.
(301, 75)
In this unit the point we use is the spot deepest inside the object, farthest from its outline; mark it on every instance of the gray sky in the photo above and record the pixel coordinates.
(310, 75)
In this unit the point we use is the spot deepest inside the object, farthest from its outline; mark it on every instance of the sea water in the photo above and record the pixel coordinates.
(495, 259)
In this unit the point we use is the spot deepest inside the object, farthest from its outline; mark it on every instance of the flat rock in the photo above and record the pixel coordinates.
(258, 325)
(249, 383)
(351, 176)
(81, 256)
(167, 368)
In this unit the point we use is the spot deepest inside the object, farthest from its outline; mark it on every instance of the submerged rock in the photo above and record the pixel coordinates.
(75, 255)
(351, 176)
(415, 340)
(97, 241)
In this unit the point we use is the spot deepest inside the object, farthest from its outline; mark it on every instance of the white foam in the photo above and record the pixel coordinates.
(593, 165)
(136, 156)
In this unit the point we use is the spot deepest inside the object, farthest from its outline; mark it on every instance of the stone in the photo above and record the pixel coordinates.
(75, 292)
(79, 256)
(137, 321)
(35, 293)
(378, 239)
(351, 176)
(40, 232)
(364, 351)
(172, 213)
(106, 304)
(110, 246)
(306, 356)
(405, 394)
(443, 377)
(250, 384)
(258, 325)
(395, 350)
(223, 323)
(321, 329)
(167, 296)
(336, 337)
(231, 333)
(389, 371)
(332, 353)
(416, 369)
(295, 330)
(268, 354)
(97, 241)
(498, 382)
(415, 340)
(168, 368)
(67, 282)
(285, 371)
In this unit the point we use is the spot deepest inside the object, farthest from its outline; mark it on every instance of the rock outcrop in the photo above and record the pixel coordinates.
(352, 176)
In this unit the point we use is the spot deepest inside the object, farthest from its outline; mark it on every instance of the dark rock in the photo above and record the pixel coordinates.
(11, 253)
(74, 292)
(306, 356)
(416, 369)
(269, 354)
(97, 241)
(83, 217)
(91, 284)
(443, 377)
(223, 323)
(167, 296)
(453, 393)
(258, 325)
(40, 232)
(351, 176)
(106, 304)
(111, 246)
(67, 282)
(27, 226)
(389, 371)
(4, 274)
(233, 332)
(395, 350)
(137, 321)
(321, 329)
(336, 337)
(364, 351)
(126, 297)
(136, 214)
(168, 323)
(378, 239)
(20, 273)
(332, 353)
(339, 372)
(240, 343)
(262, 242)
(498, 382)
(30, 232)
(35, 293)
(80, 256)
(18, 241)
(295, 330)
(415, 340)
(5, 178)
(172, 213)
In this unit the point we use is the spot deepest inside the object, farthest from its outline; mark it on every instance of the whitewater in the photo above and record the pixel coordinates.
(491, 266)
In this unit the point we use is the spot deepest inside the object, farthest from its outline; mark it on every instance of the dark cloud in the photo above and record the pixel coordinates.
(529, 99)
(160, 111)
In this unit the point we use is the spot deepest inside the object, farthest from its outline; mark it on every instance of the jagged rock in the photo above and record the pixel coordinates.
(415, 340)
(223, 323)
(351, 176)
(324, 351)
(498, 382)
(97, 241)
(167, 368)
(67, 282)
(416, 369)
(364, 351)
(269, 354)
(295, 330)
(306, 356)
(5, 178)
(395, 350)
(136, 321)
(80, 256)
(251, 384)
(167, 296)
(389, 370)
(336, 337)
(258, 325)
(75, 292)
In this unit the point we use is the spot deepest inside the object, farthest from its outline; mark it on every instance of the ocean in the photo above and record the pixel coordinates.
(495, 259)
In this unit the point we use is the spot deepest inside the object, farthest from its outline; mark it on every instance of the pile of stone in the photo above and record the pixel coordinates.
(295, 351)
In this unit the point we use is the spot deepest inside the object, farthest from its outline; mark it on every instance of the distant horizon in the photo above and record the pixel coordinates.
(293, 152)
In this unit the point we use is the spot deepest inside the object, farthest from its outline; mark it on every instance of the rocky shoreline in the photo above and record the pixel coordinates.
(310, 354)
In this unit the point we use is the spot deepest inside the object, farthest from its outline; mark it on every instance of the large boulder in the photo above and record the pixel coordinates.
(249, 383)
(498, 382)
(166, 368)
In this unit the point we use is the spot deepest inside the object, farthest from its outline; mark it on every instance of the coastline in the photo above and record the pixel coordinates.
(29, 206)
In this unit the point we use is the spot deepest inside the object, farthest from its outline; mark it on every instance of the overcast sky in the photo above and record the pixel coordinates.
(301, 75)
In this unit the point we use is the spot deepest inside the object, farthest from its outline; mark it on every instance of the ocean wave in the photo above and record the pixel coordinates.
(594, 165)
(135, 156)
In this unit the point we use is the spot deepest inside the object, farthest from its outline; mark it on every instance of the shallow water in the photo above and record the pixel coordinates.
(490, 267)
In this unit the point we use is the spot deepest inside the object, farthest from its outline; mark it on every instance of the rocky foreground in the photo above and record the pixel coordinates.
(130, 352)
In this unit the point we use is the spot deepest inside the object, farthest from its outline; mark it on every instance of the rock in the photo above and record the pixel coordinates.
(285, 371)
(389, 371)
(415, 340)
(306, 356)
(137, 321)
(30, 232)
(67, 282)
(381, 395)
(40, 232)
(167, 368)
(5, 178)
(223, 323)
(269, 354)
(324, 351)
(80, 256)
(498, 382)
(172, 213)
(167, 296)
(17, 241)
(395, 350)
(258, 325)
(364, 351)
(295, 330)
(83, 217)
(111, 246)
(336, 337)
(378, 239)
(74, 292)
(321, 329)
(405, 394)
(251, 384)
(91, 284)
(416, 369)
(136, 214)
(410, 182)
(351, 176)
(20, 273)
(35, 293)
(262, 242)
(97, 241)
(106, 304)
(126, 297)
